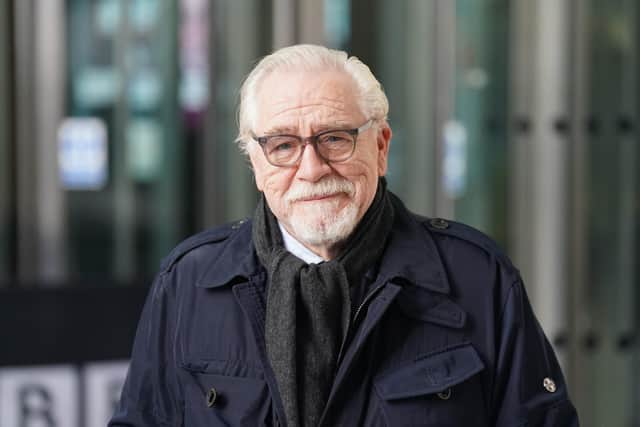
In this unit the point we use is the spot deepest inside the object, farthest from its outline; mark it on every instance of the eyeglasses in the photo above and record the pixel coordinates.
(331, 145)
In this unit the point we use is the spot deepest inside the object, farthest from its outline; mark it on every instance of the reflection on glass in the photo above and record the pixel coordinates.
(393, 38)
(481, 107)
(82, 154)
(337, 23)
(122, 59)
(612, 191)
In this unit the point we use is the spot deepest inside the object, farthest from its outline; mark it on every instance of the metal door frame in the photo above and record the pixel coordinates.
(39, 73)
(539, 154)
(7, 194)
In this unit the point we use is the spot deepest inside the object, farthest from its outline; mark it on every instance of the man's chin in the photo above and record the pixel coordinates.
(317, 238)
(317, 215)
(324, 231)
(310, 207)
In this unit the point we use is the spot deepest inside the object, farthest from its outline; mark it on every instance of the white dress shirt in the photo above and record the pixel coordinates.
(298, 249)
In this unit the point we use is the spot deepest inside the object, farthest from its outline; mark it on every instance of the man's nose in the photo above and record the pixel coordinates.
(312, 167)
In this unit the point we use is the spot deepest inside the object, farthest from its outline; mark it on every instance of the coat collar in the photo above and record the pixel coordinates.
(237, 260)
(411, 255)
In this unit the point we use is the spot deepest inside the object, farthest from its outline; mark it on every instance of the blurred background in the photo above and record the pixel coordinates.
(117, 120)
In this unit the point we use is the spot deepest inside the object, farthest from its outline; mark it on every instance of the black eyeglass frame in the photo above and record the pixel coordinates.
(313, 140)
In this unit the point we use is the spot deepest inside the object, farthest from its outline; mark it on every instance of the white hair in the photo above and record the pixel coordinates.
(305, 57)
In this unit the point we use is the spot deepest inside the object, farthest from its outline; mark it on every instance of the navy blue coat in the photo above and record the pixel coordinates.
(443, 335)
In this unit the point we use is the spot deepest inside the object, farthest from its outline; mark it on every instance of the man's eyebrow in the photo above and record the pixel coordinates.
(331, 126)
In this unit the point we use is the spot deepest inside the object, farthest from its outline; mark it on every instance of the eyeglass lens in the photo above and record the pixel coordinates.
(286, 149)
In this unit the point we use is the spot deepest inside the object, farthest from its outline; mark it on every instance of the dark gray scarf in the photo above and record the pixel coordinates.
(309, 308)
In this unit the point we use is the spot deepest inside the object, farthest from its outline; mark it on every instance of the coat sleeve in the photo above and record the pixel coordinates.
(529, 386)
(150, 396)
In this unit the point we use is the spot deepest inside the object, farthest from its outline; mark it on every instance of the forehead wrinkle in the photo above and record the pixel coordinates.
(314, 97)
(325, 104)
(318, 121)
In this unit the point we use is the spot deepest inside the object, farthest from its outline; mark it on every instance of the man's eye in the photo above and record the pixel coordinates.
(282, 146)
(334, 138)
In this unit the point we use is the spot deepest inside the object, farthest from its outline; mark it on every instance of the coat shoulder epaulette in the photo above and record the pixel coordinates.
(214, 235)
(439, 226)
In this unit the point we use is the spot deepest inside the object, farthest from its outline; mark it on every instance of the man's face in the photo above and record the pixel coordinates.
(319, 203)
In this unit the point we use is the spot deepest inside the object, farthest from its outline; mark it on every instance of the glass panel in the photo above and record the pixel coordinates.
(337, 23)
(476, 155)
(403, 61)
(474, 151)
(169, 115)
(612, 215)
(122, 60)
(242, 36)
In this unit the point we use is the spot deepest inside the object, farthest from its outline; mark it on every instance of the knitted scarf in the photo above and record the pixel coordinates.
(309, 308)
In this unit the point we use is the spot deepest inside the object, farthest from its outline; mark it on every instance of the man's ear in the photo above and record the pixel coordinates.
(383, 141)
(256, 166)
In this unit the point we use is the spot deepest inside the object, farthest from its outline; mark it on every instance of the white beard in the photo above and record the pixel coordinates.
(322, 223)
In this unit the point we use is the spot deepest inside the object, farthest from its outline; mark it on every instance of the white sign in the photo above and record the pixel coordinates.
(102, 384)
(454, 167)
(39, 397)
(82, 153)
(53, 397)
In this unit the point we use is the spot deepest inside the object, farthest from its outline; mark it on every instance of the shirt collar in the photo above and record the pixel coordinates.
(298, 249)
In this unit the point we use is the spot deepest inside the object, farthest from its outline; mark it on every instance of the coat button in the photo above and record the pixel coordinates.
(445, 395)
(439, 223)
(212, 396)
(549, 385)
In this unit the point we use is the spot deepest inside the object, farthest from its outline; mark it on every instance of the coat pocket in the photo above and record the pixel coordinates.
(440, 389)
(212, 399)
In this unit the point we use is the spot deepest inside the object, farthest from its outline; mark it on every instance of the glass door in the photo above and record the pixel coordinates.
(475, 141)
(126, 211)
(444, 67)
(395, 40)
(607, 357)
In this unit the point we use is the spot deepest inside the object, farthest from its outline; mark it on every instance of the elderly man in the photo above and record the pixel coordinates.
(335, 305)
